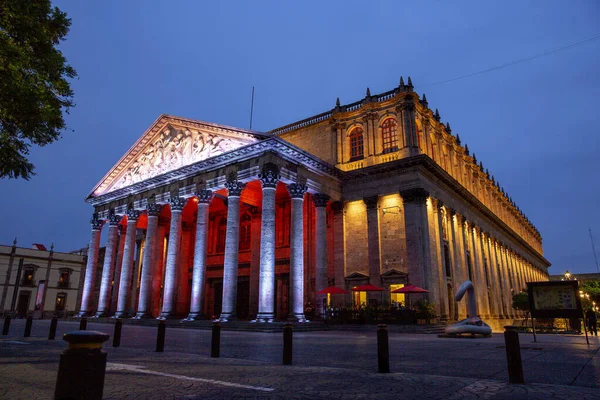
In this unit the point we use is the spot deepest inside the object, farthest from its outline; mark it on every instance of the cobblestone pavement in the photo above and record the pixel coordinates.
(327, 365)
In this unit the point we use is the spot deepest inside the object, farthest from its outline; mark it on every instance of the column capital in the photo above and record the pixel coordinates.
(414, 195)
(234, 188)
(339, 125)
(297, 190)
(437, 204)
(204, 196)
(459, 218)
(177, 203)
(132, 215)
(154, 210)
(371, 202)
(269, 178)
(320, 199)
(114, 219)
(96, 222)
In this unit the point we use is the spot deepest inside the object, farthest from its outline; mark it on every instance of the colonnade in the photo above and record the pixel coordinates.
(269, 179)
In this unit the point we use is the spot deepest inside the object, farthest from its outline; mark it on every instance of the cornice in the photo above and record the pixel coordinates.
(422, 161)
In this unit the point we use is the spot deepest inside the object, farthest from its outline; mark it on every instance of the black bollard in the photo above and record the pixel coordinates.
(383, 349)
(117, 334)
(6, 326)
(82, 367)
(287, 344)
(160, 337)
(53, 324)
(215, 344)
(513, 354)
(83, 324)
(28, 324)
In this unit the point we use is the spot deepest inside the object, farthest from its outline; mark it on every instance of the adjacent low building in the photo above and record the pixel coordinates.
(39, 282)
(233, 223)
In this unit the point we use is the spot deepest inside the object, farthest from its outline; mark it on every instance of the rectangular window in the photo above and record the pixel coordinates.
(28, 277)
(61, 302)
(63, 280)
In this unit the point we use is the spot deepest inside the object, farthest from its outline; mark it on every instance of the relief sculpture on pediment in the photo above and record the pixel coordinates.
(173, 149)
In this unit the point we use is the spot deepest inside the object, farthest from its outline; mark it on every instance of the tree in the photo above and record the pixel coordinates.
(521, 301)
(34, 91)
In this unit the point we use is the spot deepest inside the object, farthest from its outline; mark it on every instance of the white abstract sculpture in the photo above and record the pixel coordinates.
(472, 324)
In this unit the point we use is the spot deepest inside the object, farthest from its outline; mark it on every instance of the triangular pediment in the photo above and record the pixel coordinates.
(170, 144)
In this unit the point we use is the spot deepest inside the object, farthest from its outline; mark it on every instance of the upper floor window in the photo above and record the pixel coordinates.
(388, 133)
(357, 150)
(63, 279)
(28, 274)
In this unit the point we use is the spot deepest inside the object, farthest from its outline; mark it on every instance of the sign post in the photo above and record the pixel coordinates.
(556, 299)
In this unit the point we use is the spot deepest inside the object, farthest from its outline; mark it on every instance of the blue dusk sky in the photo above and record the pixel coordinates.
(534, 124)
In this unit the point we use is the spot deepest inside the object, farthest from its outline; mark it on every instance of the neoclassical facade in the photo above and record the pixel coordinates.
(206, 220)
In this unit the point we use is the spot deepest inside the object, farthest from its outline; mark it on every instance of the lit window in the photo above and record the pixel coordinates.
(61, 300)
(390, 138)
(397, 298)
(356, 144)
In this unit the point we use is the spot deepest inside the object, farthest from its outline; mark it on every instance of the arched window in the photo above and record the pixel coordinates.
(357, 150)
(389, 136)
(245, 230)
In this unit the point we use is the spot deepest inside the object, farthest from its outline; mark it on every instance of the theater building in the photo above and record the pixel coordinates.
(233, 223)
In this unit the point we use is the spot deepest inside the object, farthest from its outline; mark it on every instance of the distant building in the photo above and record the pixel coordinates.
(39, 282)
(208, 220)
(582, 278)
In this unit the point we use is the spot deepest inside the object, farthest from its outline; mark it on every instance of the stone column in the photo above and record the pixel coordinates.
(116, 278)
(320, 247)
(232, 238)
(438, 252)
(127, 266)
(171, 270)
(339, 244)
(148, 262)
(109, 266)
(87, 298)
(297, 191)
(417, 237)
(200, 249)
(373, 240)
(266, 283)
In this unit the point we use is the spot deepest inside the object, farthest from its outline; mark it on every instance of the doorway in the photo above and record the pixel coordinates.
(23, 303)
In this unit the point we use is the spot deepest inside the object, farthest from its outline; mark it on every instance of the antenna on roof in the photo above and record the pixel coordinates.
(251, 108)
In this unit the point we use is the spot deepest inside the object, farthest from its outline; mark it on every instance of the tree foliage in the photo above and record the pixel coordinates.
(592, 288)
(521, 301)
(34, 90)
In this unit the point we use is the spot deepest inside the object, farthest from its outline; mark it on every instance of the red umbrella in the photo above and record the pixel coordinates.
(333, 290)
(410, 289)
(368, 288)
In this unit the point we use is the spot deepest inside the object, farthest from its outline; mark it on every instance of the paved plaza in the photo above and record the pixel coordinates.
(326, 365)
